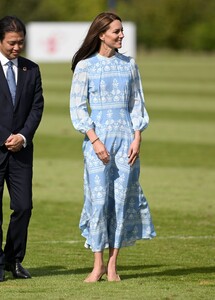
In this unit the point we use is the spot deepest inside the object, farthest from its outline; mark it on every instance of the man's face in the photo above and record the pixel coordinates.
(12, 44)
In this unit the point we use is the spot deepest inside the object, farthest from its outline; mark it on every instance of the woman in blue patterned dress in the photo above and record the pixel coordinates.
(115, 212)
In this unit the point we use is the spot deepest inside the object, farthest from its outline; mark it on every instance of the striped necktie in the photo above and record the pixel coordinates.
(11, 80)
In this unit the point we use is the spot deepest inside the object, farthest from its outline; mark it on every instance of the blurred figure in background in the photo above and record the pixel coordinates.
(115, 212)
(21, 108)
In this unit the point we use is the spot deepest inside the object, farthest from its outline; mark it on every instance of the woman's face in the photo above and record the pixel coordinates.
(112, 38)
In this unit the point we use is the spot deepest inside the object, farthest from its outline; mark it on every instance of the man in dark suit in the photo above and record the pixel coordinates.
(21, 108)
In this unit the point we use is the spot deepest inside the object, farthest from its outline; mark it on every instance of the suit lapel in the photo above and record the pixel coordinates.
(4, 85)
(22, 73)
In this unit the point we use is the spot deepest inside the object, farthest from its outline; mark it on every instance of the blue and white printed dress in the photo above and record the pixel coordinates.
(115, 212)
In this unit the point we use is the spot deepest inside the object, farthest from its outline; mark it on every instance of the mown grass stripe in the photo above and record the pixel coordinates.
(154, 153)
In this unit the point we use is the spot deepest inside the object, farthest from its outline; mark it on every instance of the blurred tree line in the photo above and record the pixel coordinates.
(175, 24)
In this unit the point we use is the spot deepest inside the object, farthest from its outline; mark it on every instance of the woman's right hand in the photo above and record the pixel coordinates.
(101, 151)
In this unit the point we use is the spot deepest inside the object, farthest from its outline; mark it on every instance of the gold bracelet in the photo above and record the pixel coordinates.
(95, 140)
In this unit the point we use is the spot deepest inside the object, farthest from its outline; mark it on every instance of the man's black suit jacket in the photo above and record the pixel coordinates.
(25, 116)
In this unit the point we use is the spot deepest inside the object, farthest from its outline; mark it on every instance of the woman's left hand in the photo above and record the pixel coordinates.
(134, 149)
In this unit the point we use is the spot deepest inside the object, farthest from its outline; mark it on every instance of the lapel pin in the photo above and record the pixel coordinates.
(24, 69)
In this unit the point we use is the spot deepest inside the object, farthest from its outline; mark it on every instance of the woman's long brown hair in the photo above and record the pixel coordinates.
(91, 43)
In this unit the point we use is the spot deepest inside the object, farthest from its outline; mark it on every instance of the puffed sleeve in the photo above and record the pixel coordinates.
(138, 113)
(78, 99)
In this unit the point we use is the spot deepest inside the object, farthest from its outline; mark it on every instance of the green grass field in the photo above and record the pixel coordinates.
(177, 175)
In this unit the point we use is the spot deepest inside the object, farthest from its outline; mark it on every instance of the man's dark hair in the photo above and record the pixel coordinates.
(11, 24)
